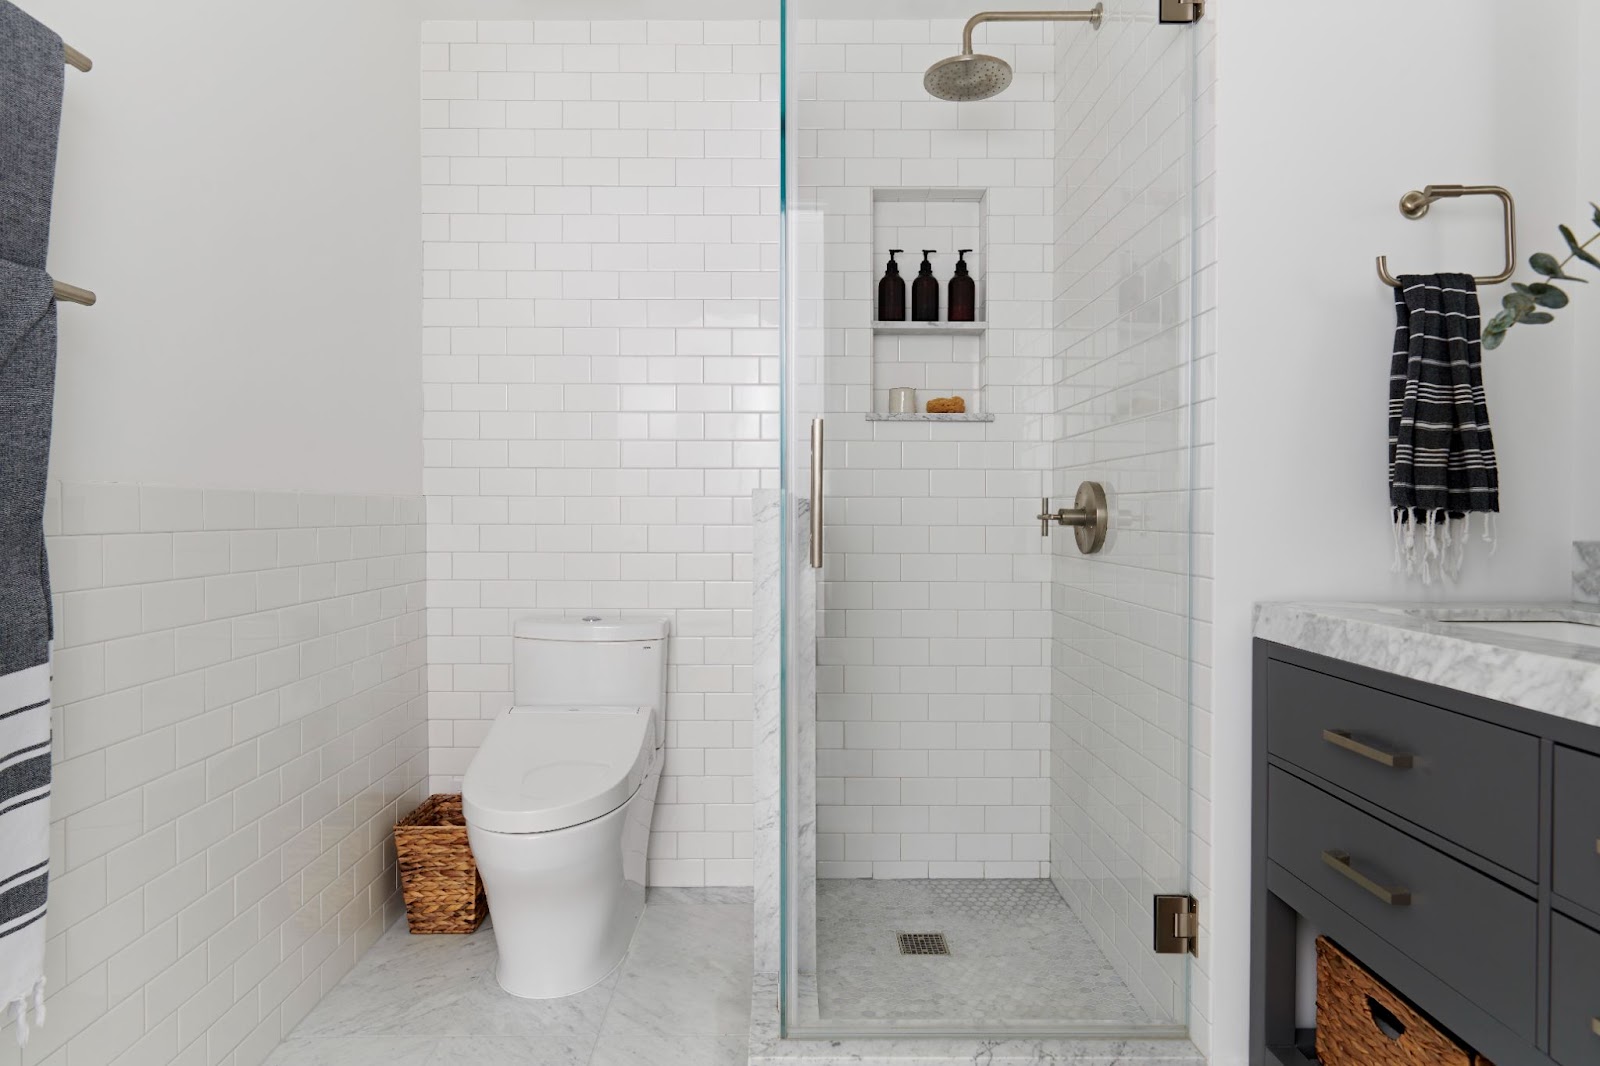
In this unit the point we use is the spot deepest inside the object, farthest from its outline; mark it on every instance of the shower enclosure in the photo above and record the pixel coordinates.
(986, 744)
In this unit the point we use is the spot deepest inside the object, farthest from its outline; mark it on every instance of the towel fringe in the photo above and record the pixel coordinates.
(1434, 543)
(19, 1011)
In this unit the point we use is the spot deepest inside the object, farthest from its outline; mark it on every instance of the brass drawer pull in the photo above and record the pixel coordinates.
(1395, 897)
(1594, 1026)
(1340, 738)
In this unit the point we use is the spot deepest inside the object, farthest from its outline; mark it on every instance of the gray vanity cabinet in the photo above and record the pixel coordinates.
(1450, 843)
(1574, 1007)
(1577, 827)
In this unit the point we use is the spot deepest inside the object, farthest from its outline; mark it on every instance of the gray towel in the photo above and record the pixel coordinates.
(30, 121)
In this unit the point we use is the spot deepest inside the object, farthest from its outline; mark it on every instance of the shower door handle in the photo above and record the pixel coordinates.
(816, 494)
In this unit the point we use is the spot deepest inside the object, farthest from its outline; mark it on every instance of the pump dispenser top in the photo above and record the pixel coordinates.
(925, 291)
(892, 291)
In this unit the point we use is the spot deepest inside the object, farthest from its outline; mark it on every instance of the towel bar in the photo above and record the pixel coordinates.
(1415, 204)
(74, 295)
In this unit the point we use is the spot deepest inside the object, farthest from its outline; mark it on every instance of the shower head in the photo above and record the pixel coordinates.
(967, 77)
(970, 76)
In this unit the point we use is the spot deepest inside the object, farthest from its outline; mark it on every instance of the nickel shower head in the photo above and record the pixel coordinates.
(970, 76)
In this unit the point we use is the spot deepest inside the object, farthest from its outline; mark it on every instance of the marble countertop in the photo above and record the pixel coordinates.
(1428, 642)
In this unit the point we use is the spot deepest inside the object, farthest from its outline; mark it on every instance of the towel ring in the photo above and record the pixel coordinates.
(1415, 204)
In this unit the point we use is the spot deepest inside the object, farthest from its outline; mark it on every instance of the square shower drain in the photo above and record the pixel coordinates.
(923, 944)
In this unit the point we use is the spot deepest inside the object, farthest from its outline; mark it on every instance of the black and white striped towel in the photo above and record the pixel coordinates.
(30, 119)
(1441, 450)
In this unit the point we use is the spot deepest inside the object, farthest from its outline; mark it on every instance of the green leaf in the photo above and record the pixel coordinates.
(1491, 341)
(1596, 212)
(1578, 249)
(1539, 318)
(1501, 322)
(1548, 265)
(1547, 295)
(1519, 302)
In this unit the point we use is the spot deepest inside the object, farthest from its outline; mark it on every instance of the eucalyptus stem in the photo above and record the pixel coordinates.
(1532, 303)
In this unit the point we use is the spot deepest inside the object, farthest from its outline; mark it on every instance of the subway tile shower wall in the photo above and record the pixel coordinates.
(238, 721)
(600, 228)
(933, 735)
(1124, 777)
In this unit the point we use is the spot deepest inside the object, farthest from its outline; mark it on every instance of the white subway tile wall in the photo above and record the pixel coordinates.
(238, 720)
(1126, 400)
(933, 672)
(600, 228)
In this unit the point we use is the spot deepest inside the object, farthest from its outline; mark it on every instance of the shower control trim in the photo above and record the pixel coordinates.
(1090, 518)
(1182, 10)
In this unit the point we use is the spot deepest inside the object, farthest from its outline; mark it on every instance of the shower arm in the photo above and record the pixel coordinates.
(981, 17)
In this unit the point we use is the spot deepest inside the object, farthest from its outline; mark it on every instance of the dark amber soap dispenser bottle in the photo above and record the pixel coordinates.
(963, 291)
(892, 291)
(925, 292)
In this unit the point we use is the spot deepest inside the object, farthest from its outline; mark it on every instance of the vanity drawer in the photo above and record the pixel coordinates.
(1577, 830)
(1473, 783)
(1470, 931)
(1574, 993)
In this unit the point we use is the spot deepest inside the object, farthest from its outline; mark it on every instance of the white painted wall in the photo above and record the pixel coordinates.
(1585, 311)
(1325, 119)
(239, 186)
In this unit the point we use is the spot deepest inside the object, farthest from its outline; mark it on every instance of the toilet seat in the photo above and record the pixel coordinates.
(542, 769)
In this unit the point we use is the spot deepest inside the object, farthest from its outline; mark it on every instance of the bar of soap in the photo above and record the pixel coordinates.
(947, 405)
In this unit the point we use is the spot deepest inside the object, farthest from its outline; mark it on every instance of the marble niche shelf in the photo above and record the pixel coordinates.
(923, 416)
(929, 329)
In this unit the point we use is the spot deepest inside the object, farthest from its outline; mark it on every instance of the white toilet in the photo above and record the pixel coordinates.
(559, 796)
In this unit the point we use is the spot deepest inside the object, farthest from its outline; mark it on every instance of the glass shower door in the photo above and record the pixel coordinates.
(985, 731)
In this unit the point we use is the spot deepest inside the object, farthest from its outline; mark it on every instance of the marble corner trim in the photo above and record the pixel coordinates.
(767, 1048)
(1425, 643)
(1586, 571)
(766, 578)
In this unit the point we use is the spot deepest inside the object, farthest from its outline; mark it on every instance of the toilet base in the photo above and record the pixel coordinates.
(564, 904)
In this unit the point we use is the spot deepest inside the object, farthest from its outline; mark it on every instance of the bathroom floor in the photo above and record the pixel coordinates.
(1017, 953)
(680, 998)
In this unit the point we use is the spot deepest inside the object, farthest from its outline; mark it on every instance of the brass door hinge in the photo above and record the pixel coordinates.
(1177, 925)
(1182, 10)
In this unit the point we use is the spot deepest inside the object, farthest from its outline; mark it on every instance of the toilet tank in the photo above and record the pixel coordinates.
(599, 660)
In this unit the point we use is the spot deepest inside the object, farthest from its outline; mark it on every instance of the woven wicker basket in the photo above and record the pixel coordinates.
(1363, 1022)
(443, 891)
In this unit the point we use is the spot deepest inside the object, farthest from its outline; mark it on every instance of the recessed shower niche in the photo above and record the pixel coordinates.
(937, 358)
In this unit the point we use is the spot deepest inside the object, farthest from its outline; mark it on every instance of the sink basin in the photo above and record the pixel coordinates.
(1566, 632)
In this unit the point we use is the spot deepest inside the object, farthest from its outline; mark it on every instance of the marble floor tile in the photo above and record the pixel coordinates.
(645, 1049)
(687, 974)
(680, 996)
(354, 1051)
(444, 986)
(502, 1051)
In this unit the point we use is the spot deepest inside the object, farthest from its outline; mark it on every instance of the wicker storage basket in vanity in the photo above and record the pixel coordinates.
(443, 891)
(1363, 1022)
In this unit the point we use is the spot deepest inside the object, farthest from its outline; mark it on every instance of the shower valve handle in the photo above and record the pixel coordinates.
(1089, 519)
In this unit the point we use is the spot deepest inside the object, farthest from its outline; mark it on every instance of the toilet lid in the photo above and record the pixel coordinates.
(545, 768)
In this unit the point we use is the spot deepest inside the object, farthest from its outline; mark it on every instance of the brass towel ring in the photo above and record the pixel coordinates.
(1415, 204)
